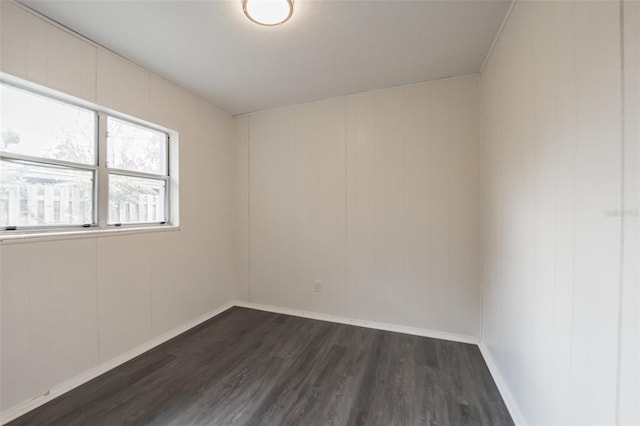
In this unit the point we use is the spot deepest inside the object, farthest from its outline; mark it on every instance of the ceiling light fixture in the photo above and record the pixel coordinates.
(268, 12)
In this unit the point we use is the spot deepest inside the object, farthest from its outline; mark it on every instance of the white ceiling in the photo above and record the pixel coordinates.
(328, 48)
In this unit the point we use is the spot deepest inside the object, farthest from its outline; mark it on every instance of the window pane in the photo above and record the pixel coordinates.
(36, 195)
(131, 147)
(41, 127)
(136, 200)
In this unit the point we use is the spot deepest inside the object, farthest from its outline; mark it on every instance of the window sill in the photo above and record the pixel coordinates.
(16, 237)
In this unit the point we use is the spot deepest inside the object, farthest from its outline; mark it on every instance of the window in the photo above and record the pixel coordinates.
(137, 165)
(62, 165)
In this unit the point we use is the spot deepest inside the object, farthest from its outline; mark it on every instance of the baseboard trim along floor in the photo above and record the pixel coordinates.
(58, 390)
(64, 387)
(424, 332)
(507, 396)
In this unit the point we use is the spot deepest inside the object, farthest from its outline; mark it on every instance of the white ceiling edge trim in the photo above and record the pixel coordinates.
(498, 35)
(399, 86)
(228, 114)
(97, 45)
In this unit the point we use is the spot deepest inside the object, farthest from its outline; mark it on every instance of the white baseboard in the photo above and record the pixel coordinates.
(23, 408)
(424, 332)
(505, 392)
(64, 387)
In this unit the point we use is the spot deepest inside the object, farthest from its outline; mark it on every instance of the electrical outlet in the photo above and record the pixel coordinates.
(317, 286)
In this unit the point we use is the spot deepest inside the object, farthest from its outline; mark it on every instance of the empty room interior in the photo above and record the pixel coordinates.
(319, 212)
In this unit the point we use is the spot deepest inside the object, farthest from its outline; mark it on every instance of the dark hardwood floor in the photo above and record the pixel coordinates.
(248, 367)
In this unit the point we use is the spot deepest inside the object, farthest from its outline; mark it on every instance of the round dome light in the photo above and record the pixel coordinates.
(268, 12)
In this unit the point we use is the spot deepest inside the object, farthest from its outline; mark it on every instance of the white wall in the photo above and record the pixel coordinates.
(71, 304)
(552, 174)
(376, 195)
(629, 404)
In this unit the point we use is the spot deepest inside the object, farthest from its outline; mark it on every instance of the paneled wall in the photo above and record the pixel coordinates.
(629, 386)
(552, 221)
(374, 200)
(373, 197)
(71, 304)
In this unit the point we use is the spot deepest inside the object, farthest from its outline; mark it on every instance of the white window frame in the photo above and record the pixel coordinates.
(104, 171)
(100, 170)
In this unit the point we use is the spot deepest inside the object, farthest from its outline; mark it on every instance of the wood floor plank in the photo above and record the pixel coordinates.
(249, 367)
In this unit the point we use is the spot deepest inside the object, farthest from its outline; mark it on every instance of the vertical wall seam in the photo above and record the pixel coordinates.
(622, 211)
(345, 105)
(404, 98)
(376, 195)
(481, 198)
(30, 336)
(574, 157)
(296, 115)
(557, 181)
(235, 212)
(95, 74)
(149, 279)
(249, 206)
(405, 275)
(97, 269)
